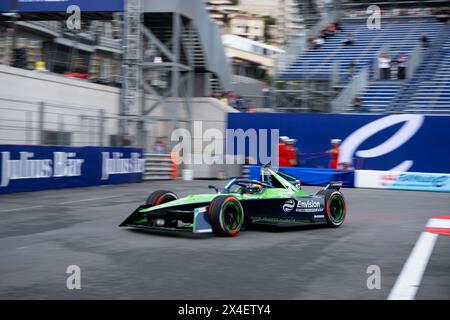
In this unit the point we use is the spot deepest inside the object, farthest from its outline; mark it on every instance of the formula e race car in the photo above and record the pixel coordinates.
(274, 199)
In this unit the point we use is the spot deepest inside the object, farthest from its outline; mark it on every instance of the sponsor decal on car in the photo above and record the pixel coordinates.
(289, 205)
(310, 205)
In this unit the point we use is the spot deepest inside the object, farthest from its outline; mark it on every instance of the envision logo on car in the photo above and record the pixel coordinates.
(289, 205)
(308, 204)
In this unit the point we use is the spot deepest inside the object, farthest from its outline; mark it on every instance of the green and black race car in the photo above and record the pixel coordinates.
(274, 199)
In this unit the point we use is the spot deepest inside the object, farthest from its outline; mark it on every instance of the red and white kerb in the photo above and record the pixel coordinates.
(409, 280)
(439, 225)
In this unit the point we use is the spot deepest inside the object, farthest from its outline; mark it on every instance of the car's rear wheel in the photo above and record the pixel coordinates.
(335, 207)
(161, 196)
(226, 216)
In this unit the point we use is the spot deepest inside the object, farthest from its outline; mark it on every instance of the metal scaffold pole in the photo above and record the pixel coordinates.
(131, 105)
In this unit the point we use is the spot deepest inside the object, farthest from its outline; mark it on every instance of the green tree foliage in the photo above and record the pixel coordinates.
(268, 21)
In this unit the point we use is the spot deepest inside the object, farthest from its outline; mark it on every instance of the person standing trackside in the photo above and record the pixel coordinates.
(424, 40)
(283, 152)
(334, 153)
(384, 64)
(291, 152)
(401, 66)
(125, 140)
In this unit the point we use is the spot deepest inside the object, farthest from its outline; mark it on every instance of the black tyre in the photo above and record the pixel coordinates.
(335, 207)
(226, 216)
(161, 196)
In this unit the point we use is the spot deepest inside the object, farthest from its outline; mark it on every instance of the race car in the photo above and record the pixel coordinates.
(274, 199)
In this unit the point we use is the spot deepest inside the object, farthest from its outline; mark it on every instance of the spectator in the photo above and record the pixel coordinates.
(384, 64)
(424, 40)
(351, 68)
(357, 104)
(337, 26)
(160, 147)
(232, 100)
(224, 100)
(401, 66)
(125, 140)
(331, 29)
(251, 107)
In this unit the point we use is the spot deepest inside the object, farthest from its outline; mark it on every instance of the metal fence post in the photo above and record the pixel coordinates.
(60, 136)
(101, 131)
(29, 126)
(41, 122)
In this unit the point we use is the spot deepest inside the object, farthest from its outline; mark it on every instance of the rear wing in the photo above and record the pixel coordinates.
(334, 185)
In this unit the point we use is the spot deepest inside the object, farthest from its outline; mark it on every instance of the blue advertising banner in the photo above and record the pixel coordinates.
(33, 168)
(402, 142)
(60, 5)
(417, 181)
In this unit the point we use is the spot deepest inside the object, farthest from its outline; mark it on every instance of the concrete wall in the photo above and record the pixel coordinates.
(74, 106)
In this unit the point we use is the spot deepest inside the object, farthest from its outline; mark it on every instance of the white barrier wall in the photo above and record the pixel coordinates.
(417, 181)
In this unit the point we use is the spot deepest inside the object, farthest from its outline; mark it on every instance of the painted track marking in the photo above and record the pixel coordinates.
(19, 209)
(87, 200)
(61, 203)
(408, 282)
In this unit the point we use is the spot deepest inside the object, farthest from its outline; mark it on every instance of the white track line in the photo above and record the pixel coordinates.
(408, 281)
(19, 209)
(92, 199)
(61, 203)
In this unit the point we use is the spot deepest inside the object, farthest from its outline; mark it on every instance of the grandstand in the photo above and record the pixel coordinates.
(425, 89)
(433, 92)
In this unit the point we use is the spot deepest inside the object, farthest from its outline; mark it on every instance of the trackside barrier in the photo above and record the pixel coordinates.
(417, 181)
(409, 142)
(33, 168)
(312, 176)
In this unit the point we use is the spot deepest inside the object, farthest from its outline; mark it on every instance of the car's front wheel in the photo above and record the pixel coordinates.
(226, 216)
(160, 196)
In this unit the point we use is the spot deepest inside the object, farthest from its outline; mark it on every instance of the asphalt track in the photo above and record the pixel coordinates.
(42, 233)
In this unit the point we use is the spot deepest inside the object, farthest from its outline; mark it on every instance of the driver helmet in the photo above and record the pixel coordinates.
(254, 188)
(336, 141)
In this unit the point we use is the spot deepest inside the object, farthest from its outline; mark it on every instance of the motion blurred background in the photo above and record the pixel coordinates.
(137, 70)
(358, 91)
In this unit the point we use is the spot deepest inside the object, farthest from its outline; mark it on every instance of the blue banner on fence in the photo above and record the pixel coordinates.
(312, 176)
(404, 142)
(61, 5)
(417, 181)
(32, 168)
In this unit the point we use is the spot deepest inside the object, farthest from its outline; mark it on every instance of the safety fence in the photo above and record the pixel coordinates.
(46, 123)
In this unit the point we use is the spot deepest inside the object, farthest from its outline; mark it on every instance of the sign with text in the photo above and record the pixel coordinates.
(399, 142)
(418, 181)
(32, 168)
(61, 5)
